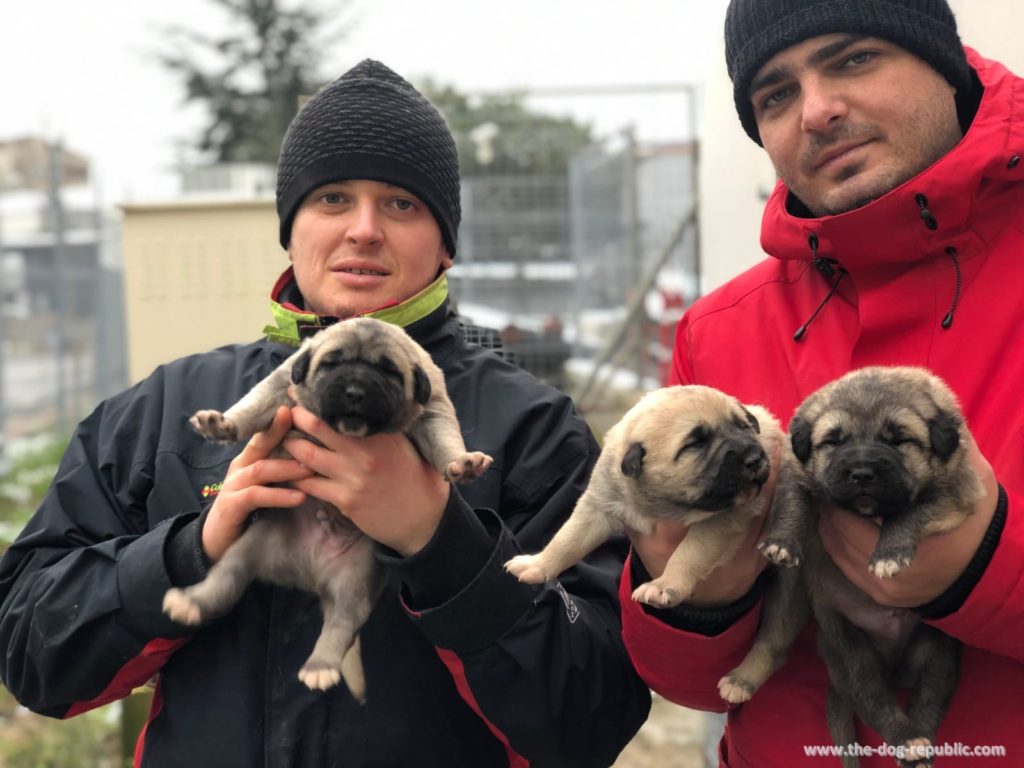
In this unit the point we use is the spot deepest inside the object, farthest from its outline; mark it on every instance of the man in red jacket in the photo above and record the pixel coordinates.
(894, 237)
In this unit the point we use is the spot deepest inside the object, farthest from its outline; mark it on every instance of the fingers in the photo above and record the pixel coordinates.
(264, 443)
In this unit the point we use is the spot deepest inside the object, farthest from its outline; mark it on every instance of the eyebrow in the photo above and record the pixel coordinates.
(776, 75)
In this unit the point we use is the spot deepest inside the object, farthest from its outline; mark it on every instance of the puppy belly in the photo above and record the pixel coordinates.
(889, 629)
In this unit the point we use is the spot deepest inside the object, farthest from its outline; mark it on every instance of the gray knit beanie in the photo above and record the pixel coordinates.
(756, 30)
(370, 123)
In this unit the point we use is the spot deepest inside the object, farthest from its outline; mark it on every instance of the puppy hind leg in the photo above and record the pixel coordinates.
(932, 669)
(587, 527)
(783, 615)
(839, 716)
(347, 600)
(858, 672)
(228, 578)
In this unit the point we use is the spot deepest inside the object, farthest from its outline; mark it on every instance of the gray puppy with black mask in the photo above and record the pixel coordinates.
(889, 444)
(362, 377)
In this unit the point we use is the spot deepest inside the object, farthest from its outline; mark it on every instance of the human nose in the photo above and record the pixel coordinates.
(823, 107)
(364, 225)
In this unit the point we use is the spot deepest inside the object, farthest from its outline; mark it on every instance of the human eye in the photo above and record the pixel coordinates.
(403, 204)
(330, 197)
(858, 59)
(776, 97)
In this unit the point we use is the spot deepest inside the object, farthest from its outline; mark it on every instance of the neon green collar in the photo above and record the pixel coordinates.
(288, 320)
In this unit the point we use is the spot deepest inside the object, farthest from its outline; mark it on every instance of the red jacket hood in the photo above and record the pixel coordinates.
(960, 190)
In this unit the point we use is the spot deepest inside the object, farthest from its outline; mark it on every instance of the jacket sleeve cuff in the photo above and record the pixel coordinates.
(708, 622)
(186, 562)
(143, 579)
(489, 603)
(952, 599)
(451, 559)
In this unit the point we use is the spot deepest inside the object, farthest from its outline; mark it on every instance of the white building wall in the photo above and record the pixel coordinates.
(735, 174)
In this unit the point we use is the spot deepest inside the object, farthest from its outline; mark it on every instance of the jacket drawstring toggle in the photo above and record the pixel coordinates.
(947, 321)
(827, 267)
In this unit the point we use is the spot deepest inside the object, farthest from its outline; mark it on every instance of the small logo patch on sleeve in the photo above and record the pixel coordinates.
(210, 490)
(571, 609)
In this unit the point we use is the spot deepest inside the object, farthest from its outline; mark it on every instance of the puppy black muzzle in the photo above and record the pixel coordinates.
(358, 398)
(868, 479)
(743, 464)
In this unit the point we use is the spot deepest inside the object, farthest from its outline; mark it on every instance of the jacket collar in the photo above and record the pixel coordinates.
(961, 192)
(292, 324)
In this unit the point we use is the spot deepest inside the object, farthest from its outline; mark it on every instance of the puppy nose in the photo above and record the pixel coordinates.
(753, 458)
(862, 475)
(354, 394)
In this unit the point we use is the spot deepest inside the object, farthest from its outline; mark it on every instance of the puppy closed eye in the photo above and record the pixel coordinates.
(698, 439)
(833, 438)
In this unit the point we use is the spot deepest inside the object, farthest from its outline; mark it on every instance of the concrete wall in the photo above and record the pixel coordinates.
(735, 173)
(193, 274)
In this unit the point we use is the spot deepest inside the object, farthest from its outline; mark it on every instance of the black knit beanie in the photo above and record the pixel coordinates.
(756, 30)
(370, 123)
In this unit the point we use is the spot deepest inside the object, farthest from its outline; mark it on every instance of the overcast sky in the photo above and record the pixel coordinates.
(84, 71)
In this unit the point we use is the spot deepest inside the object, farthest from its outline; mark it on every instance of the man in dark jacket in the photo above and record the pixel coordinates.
(894, 237)
(465, 666)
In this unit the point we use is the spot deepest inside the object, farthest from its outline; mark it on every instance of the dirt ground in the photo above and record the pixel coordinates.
(672, 737)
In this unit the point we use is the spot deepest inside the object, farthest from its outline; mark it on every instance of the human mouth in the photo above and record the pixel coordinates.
(837, 156)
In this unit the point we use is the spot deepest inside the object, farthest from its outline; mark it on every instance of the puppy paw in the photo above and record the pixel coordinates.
(182, 608)
(467, 467)
(781, 553)
(319, 675)
(735, 689)
(916, 753)
(888, 568)
(527, 568)
(661, 594)
(214, 426)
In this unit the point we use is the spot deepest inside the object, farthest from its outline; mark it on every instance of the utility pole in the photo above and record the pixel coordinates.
(60, 263)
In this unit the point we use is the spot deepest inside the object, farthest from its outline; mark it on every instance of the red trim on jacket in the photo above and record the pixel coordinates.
(458, 673)
(154, 711)
(133, 674)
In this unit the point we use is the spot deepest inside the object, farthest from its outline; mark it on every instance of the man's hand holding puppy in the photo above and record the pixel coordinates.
(381, 483)
(250, 484)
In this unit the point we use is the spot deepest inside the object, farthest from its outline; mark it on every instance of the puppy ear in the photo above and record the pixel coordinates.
(800, 437)
(752, 419)
(943, 434)
(633, 461)
(300, 368)
(420, 385)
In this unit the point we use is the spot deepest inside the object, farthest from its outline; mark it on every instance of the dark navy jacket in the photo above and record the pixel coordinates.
(489, 673)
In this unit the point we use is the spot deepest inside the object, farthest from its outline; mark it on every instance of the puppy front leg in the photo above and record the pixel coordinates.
(706, 545)
(438, 438)
(587, 527)
(251, 414)
(897, 543)
(792, 520)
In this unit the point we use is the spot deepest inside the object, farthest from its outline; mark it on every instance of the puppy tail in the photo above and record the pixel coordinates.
(352, 672)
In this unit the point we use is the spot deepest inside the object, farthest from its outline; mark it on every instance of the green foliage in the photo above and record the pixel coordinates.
(251, 80)
(498, 134)
(26, 482)
(30, 741)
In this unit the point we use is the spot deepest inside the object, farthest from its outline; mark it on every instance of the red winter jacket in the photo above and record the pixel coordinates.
(903, 280)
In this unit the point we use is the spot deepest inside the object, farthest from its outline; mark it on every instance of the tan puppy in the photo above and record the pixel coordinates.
(885, 443)
(690, 454)
(362, 377)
